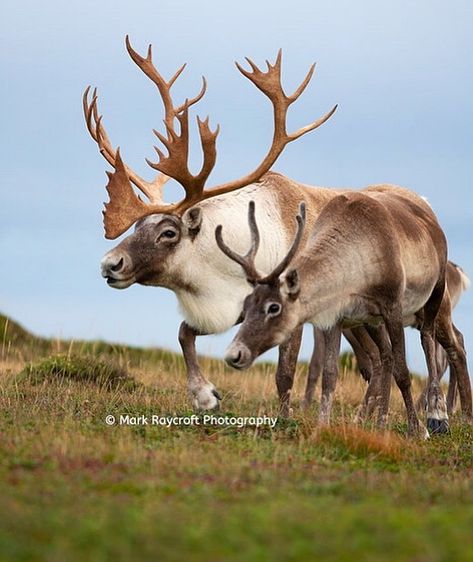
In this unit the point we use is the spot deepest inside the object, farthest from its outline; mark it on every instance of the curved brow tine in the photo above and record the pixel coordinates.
(241, 260)
(293, 249)
(247, 262)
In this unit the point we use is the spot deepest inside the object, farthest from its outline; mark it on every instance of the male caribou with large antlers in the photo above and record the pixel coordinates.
(175, 247)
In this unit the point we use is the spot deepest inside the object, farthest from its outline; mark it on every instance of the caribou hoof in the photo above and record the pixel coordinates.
(436, 426)
(418, 431)
(206, 397)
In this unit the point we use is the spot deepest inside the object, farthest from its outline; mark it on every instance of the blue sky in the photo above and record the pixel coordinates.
(400, 71)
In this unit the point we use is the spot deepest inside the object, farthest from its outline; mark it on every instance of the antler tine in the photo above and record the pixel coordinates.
(93, 122)
(303, 85)
(208, 141)
(269, 83)
(175, 164)
(312, 126)
(164, 87)
(274, 275)
(152, 190)
(247, 261)
(147, 66)
(194, 100)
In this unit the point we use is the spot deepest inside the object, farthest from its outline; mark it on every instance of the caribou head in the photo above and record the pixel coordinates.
(271, 311)
(148, 255)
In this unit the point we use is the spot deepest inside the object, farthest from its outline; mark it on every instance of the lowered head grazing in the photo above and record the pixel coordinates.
(273, 301)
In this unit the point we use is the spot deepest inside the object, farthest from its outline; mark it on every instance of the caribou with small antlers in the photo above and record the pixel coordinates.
(173, 245)
(369, 361)
(372, 258)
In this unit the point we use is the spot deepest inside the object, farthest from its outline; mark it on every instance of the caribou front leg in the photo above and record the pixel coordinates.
(316, 367)
(203, 393)
(287, 362)
(330, 374)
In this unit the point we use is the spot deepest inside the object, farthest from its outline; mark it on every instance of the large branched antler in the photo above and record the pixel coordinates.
(175, 163)
(124, 204)
(247, 261)
(269, 83)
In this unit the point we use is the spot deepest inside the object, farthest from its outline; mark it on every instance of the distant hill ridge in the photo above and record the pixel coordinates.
(17, 341)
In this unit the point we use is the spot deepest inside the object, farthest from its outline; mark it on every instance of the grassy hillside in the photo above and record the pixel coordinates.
(75, 488)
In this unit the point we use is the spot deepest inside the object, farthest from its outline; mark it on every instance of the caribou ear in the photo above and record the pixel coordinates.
(292, 284)
(192, 219)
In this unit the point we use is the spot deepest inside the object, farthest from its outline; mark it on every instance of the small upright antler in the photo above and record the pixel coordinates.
(247, 261)
(300, 218)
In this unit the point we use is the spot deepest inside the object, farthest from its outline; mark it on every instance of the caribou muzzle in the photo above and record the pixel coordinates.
(238, 356)
(117, 268)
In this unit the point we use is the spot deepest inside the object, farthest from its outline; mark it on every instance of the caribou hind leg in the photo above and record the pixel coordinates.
(395, 329)
(203, 393)
(288, 353)
(442, 366)
(452, 392)
(437, 416)
(451, 340)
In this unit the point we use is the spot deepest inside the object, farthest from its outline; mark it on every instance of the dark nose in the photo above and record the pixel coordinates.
(238, 356)
(116, 267)
(114, 264)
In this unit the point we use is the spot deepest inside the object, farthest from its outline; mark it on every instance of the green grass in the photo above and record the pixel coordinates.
(74, 488)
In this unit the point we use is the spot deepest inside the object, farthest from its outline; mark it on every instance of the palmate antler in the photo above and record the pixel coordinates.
(125, 207)
(247, 261)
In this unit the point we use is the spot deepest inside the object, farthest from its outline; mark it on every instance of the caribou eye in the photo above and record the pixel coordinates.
(169, 234)
(273, 309)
